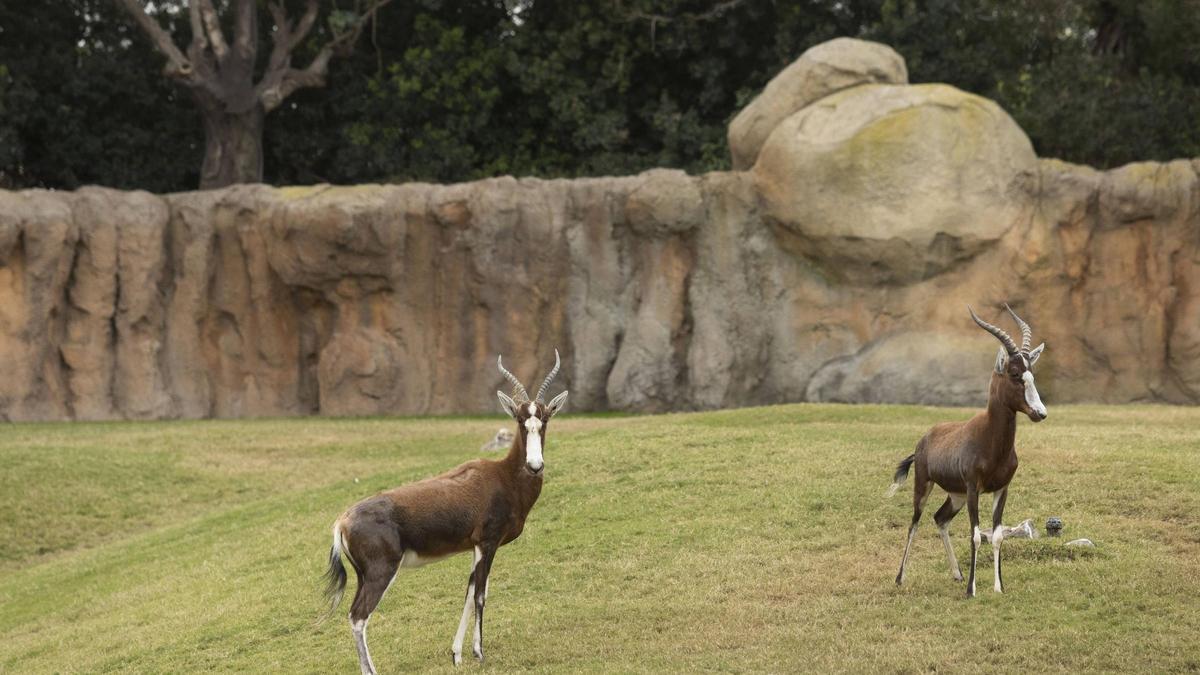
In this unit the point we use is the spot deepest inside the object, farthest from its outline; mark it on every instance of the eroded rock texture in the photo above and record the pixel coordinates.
(837, 269)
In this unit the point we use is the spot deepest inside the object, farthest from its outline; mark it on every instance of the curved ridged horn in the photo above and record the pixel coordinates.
(518, 388)
(549, 377)
(1003, 337)
(1026, 333)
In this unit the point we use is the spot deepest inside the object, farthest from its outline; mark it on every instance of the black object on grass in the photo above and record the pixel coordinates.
(1054, 526)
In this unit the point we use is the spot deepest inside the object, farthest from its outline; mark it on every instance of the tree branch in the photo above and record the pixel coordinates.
(287, 37)
(712, 13)
(245, 29)
(212, 25)
(281, 80)
(199, 42)
(178, 65)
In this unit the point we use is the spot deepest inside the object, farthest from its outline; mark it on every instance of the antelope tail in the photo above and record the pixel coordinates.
(335, 576)
(901, 473)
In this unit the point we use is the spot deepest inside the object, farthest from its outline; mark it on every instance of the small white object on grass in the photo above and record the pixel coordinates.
(1080, 542)
(1025, 530)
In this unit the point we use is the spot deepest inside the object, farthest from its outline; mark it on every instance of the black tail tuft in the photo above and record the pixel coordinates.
(901, 473)
(903, 467)
(335, 580)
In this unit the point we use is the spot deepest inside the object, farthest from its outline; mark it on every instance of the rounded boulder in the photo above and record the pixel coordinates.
(820, 71)
(885, 184)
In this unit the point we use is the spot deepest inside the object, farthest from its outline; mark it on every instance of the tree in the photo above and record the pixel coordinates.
(450, 91)
(421, 99)
(81, 103)
(220, 75)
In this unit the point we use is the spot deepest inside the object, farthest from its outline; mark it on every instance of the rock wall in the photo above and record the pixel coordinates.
(836, 267)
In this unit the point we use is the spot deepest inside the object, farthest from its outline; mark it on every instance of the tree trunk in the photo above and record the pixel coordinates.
(233, 150)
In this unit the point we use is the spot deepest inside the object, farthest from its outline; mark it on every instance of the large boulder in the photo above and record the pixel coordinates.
(895, 184)
(820, 71)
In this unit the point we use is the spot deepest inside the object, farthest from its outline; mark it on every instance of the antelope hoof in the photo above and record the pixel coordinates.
(456, 658)
(957, 574)
(478, 654)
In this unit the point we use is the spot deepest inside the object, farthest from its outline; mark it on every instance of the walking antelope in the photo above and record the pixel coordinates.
(967, 458)
(479, 506)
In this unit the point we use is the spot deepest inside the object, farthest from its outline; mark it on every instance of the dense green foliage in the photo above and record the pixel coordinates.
(752, 540)
(449, 90)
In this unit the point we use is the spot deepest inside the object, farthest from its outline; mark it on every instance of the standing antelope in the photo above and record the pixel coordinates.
(479, 506)
(967, 458)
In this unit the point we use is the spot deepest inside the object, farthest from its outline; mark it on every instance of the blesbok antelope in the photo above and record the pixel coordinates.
(976, 456)
(479, 506)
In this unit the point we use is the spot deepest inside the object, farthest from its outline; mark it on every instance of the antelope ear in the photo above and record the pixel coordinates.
(509, 405)
(556, 404)
(1001, 360)
(1033, 355)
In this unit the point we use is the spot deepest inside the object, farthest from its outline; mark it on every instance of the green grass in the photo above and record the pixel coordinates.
(743, 540)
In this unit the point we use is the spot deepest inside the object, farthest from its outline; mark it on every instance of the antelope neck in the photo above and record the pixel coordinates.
(1001, 422)
(516, 452)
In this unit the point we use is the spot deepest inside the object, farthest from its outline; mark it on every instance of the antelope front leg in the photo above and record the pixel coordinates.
(456, 648)
(973, 511)
(998, 499)
(481, 583)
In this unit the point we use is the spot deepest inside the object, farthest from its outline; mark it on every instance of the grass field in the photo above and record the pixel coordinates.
(743, 540)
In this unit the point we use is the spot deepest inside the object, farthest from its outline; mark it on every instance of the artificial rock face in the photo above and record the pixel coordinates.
(838, 269)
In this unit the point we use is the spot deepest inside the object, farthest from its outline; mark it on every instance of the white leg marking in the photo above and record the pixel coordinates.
(477, 644)
(359, 628)
(997, 537)
(468, 606)
(977, 539)
(954, 570)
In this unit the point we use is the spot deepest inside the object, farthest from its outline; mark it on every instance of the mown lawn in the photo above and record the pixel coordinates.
(743, 540)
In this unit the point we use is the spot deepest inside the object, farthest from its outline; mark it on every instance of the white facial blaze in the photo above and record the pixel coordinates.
(1031, 395)
(533, 440)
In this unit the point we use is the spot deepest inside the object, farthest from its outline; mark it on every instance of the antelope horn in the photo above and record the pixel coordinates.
(549, 377)
(1026, 334)
(1000, 335)
(518, 388)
